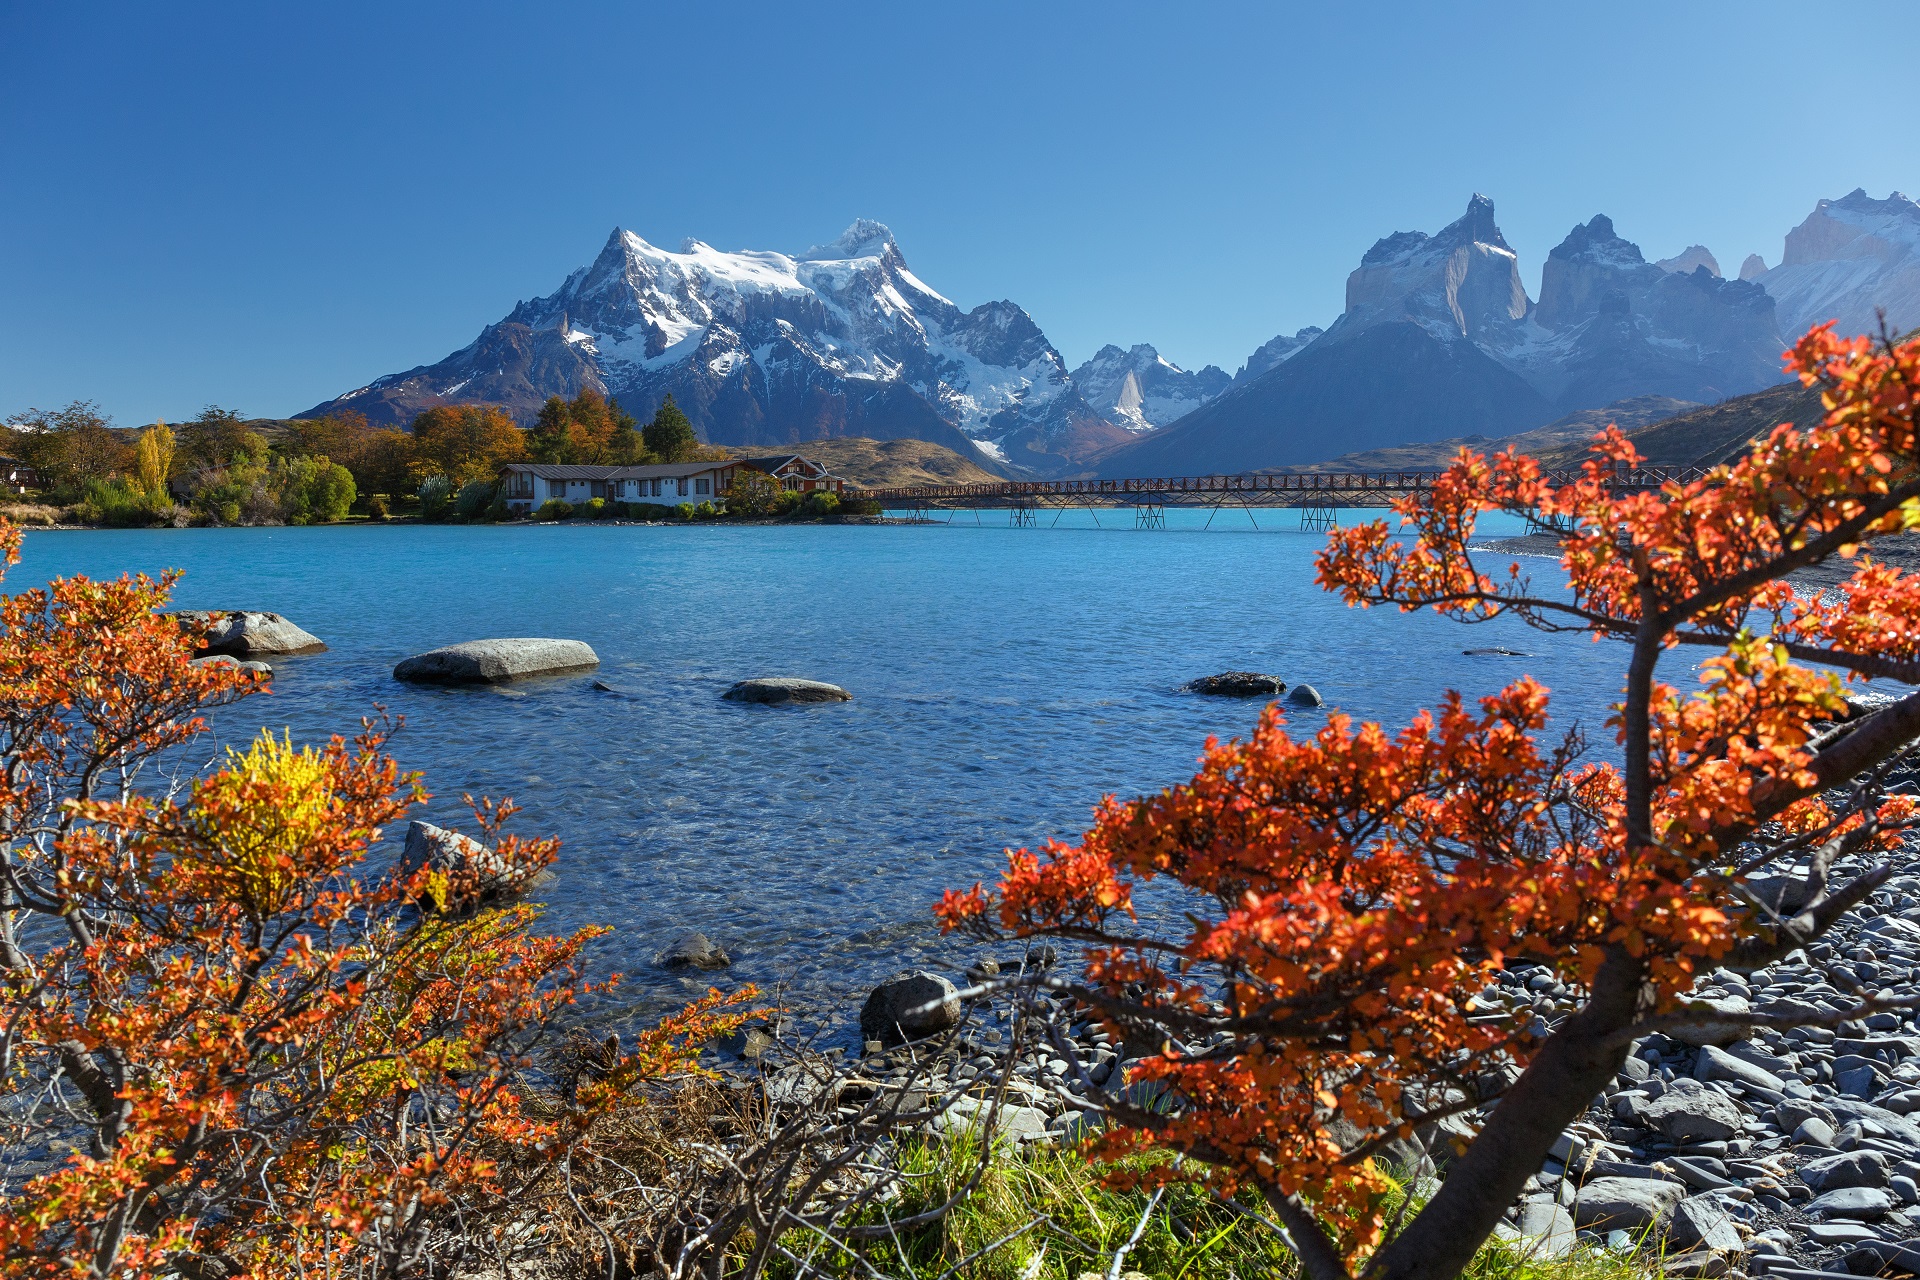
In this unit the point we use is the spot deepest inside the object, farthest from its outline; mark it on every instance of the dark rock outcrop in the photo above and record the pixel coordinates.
(693, 951)
(1238, 684)
(911, 1006)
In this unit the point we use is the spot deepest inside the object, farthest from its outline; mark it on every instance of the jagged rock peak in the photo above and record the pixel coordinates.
(1691, 259)
(864, 238)
(1753, 268)
(1596, 241)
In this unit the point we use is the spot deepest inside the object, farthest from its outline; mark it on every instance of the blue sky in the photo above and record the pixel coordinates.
(263, 205)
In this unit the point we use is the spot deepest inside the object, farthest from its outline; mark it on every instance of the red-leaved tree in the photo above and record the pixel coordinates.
(227, 1045)
(1355, 891)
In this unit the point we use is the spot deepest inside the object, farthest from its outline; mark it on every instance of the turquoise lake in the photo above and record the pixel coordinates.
(1004, 679)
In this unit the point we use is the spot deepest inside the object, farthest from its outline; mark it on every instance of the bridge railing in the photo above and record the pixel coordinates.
(1218, 486)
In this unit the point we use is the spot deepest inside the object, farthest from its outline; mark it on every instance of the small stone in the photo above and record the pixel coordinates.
(1832, 1233)
(1547, 1228)
(1702, 1222)
(1712, 1032)
(1813, 1132)
(1866, 1203)
(1627, 1204)
(1690, 1112)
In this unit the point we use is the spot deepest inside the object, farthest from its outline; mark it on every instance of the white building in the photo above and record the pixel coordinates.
(526, 485)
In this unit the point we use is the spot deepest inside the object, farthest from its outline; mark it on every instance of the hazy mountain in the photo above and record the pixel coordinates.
(1440, 340)
(1850, 257)
(1140, 389)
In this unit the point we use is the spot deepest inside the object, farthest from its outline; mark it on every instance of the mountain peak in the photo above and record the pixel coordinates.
(1475, 226)
(863, 238)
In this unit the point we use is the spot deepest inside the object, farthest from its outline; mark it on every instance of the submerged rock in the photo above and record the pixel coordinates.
(242, 633)
(779, 689)
(1238, 684)
(260, 669)
(495, 661)
(693, 951)
(1304, 695)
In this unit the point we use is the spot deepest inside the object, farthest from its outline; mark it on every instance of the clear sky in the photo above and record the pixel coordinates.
(262, 205)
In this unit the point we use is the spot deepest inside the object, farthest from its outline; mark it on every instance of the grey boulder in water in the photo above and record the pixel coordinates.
(779, 689)
(496, 661)
(1305, 695)
(242, 633)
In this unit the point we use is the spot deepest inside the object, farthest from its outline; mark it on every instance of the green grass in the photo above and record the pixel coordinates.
(1058, 1222)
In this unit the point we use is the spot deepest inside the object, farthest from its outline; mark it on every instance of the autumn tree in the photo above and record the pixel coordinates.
(153, 459)
(340, 435)
(589, 429)
(465, 442)
(71, 446)
(751, 493)
(247, 1051)
(670, 436)
(1352, 893)
(385, 462)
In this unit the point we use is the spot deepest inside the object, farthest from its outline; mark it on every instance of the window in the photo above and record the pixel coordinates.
(656, 488)
(702, 485)
(683, 488)
(520, 484)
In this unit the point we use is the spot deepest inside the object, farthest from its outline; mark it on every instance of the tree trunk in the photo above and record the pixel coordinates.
(1570, 1069)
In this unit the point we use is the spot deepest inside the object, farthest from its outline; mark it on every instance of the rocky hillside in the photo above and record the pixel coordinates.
(766, 349)
(1717, 433)
(874, 464)
(1439, 340)
(1571, 432)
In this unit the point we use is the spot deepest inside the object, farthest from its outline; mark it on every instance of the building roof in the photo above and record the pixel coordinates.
(773, 462)
(654, 471)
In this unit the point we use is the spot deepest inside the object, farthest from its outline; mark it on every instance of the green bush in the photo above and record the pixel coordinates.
(474, 498)
(684, 511)
(859, 506)
(435, 493)
(820, 505)
(784, 503)
(311, 490)
(706, 511)
(649, 511)
(377, 508)
(554, 509)
(122, 505)
(596, 509)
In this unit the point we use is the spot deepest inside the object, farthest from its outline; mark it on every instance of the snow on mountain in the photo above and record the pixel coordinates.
(1695, 255)
(1274, 351)
(1439, 339)
(1850, 258)
(766, 348)
(1140, 389)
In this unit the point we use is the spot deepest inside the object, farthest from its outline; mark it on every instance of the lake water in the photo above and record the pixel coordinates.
(1004, 679)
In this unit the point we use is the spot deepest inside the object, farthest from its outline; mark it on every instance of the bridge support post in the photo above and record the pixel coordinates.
(1319, 515)
(1020, 515)
(1150, 515)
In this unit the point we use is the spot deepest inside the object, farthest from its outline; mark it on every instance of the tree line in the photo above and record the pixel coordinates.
(220, 468)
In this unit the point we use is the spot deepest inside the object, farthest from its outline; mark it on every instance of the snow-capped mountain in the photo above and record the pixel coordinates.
(1851, 256)
(1140, 389)
(1439, 339)
(763, 348)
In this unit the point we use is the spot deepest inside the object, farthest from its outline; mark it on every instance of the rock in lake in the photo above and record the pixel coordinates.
(695, 951)
(1304, 695)
(496, 661)
(781, 689)
(481, 876)
(900, 1006)
(1238, 684)
(243, 633)
(228, 660)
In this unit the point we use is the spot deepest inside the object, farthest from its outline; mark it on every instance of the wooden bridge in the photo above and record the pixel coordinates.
(1317, 494)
